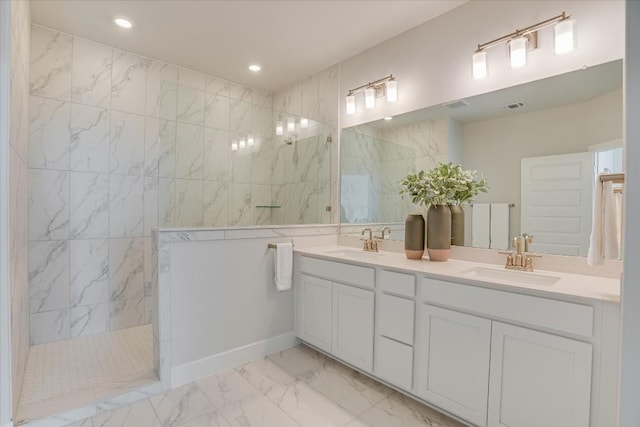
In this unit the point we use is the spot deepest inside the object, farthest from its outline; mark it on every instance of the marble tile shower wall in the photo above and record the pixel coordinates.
(371, 169)
(375, 160)
(18, 240)
(120, 144)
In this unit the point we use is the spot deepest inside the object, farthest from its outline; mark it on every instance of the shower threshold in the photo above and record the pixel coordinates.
(70, 378)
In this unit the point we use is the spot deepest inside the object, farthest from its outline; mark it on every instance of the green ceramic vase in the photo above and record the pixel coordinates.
(439, 233)
(414, 236)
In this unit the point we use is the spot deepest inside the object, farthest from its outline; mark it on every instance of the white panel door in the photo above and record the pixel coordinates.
(353, 325)
(453, 364)
(556, 197)
(538, 379)
(315, 314)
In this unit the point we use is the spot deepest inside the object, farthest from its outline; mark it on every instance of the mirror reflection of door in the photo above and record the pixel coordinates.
(556, 200)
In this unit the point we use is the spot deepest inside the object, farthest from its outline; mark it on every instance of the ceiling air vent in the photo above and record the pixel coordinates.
(456, 104)
(513, 106)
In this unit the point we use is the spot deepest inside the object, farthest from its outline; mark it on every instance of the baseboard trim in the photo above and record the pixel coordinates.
(226, 360)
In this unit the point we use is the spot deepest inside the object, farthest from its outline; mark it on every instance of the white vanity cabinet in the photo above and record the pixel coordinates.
(335, 310)
(490, 355)
(538, 379)
(453, 362)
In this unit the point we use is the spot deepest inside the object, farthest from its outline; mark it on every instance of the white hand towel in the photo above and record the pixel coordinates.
(480, 225)
(603, 243)
(500, 226)
(283, 267)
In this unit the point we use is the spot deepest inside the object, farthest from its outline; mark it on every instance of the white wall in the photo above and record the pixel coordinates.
(630, 364)
(216, 290)
(432, 62)
(560, 130)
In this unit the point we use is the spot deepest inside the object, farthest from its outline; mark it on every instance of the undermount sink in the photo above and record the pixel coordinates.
(352, 253)
(511, 276)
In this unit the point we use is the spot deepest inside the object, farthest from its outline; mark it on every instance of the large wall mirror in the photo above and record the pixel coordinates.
(540, 145)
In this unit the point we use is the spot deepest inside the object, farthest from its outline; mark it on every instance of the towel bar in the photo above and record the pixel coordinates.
(273, 246)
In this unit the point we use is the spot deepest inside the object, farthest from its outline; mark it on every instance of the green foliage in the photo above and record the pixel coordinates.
(445, 184)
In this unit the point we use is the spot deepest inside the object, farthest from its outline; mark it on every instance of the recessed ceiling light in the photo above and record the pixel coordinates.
(388, 118)
(255, 67)
(124, 23)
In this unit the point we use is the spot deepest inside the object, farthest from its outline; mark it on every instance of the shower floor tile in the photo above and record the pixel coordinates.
(68, 374)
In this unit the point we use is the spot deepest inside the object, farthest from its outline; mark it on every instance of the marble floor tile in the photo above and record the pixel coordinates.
(226, 387)
(309, 407)
(136, 415)
(267, 393)
(180, 405)
(299, 359)
(210, 419)
(400, 410)
(256, 411)
(346, 387)
(266, 375)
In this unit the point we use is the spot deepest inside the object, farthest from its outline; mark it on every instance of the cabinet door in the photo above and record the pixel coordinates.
(453, 366)
(353, 325)
(394, 362)
(315, 313)
(538, 379)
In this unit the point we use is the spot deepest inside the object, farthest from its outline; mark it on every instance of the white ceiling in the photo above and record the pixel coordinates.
(290, 39)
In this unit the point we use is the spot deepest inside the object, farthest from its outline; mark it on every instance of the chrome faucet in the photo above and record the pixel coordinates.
(523, 260)
(370, 245)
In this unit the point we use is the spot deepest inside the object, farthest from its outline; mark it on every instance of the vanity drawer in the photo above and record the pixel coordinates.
(397, 283)
(394, 362)
(395, 318)
(561, 316)
(339, 272)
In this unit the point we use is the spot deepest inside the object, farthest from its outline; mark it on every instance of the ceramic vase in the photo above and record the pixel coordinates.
(457, 225)
(439, 233)
(414, 236)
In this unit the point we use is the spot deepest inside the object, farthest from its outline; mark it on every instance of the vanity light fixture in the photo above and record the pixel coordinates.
(255, 67)
(518, 52)
(564, 40)
(242, 143)
(386, 86)
(279, 128)
(250, 140)
(291, 124)
(520, 41)
(123, 23)
(234, 146)
(304, 123)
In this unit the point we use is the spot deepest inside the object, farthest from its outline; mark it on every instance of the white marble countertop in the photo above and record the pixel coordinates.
(574, 287)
